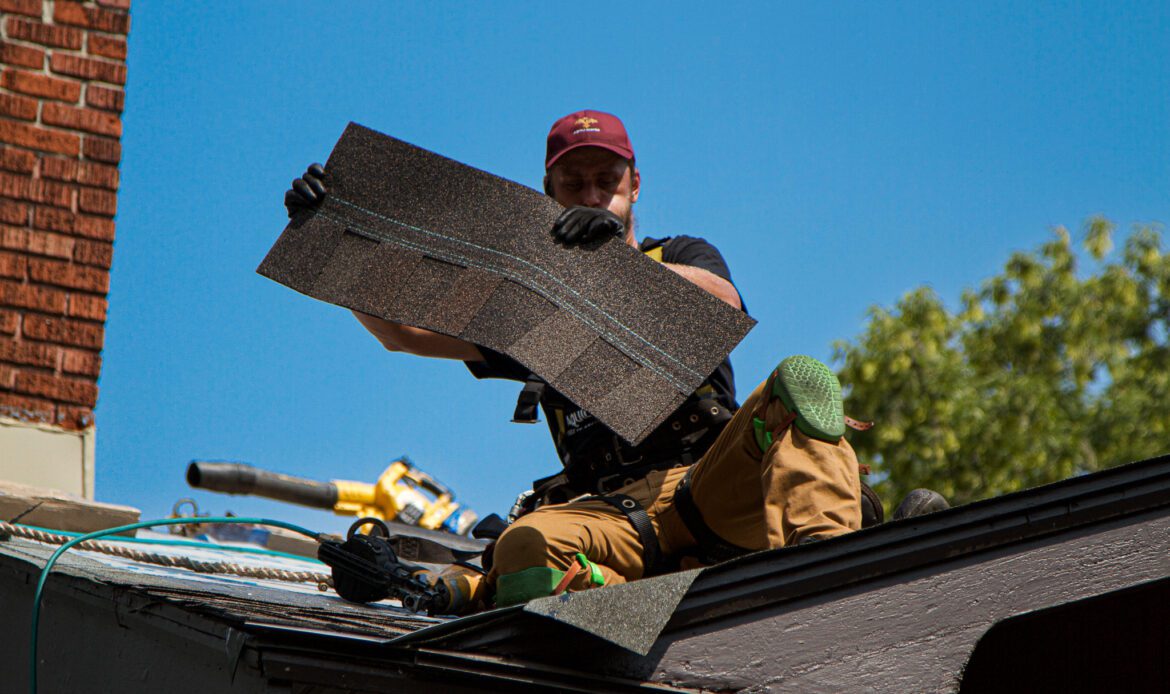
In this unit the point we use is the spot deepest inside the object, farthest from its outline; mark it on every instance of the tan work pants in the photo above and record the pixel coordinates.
(800, 488)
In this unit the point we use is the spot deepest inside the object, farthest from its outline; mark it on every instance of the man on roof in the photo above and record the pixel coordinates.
(713, 481)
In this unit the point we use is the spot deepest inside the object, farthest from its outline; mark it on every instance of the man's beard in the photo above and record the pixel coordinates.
(627, 218)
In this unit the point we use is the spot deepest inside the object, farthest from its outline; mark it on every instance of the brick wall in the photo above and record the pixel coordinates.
(62, 71)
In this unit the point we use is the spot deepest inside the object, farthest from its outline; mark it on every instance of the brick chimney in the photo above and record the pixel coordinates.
(62, 72)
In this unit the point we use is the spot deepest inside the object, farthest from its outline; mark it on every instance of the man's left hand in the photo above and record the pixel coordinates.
(307, 192)
(578, 225)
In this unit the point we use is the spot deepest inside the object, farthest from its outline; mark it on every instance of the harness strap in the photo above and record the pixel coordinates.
(714, 548)
(857, 424)
(636, 515)
(633, 473)
(527, 401)
(610, 463)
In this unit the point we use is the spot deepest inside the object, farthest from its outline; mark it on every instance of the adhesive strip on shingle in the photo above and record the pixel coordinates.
(470, 225)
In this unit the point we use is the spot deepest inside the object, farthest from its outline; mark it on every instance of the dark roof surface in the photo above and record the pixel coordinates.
(901, 604)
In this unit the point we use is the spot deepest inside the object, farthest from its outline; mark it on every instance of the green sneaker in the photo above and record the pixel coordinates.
(812, 392)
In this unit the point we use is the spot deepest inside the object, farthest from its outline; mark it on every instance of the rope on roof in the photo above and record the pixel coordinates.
(169, 560)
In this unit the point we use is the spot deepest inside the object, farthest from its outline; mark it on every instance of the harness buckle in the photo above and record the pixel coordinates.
(622, 460)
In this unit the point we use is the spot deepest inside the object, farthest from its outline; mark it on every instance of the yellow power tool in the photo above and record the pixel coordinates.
(403, 493)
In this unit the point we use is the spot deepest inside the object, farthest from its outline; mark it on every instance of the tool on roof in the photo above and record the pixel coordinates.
(403, 493)
(366, 569)
(188, 529)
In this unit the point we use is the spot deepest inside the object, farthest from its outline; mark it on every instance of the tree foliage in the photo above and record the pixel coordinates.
(1044, 373)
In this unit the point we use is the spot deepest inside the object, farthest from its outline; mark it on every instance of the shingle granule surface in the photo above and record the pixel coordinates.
(419, 239)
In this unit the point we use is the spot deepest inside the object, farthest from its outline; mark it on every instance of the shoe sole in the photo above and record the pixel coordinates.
(812, 392)
(920, 502)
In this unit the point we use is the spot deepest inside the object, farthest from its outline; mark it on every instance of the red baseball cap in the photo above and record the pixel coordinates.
(587, 129)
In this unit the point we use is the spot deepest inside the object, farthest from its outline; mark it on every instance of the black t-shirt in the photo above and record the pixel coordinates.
(578, 434)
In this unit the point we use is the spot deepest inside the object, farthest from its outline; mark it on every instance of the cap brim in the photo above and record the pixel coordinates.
(622, 152)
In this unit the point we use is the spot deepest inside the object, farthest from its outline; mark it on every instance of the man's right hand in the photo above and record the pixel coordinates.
(307, 192)
(585, 224)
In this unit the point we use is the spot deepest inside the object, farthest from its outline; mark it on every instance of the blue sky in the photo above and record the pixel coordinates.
(839, 154)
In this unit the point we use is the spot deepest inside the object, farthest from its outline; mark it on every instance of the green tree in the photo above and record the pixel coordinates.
(1043, 374)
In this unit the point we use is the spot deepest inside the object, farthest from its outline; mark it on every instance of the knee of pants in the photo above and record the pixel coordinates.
(521, 547)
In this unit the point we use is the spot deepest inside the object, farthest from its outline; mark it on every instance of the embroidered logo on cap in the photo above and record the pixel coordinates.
(586, 124)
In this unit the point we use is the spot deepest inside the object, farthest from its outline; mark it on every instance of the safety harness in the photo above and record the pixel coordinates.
(637, 516)
(678, 442)
(712, 548)
(528, 401)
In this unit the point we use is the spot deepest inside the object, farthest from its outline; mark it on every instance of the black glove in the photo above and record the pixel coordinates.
(585, 224)
(307, 192)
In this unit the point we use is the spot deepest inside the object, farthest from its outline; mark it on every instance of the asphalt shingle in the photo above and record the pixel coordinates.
(419, 239)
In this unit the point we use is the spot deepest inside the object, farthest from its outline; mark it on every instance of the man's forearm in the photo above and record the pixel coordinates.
(424, 343)
(709, 282)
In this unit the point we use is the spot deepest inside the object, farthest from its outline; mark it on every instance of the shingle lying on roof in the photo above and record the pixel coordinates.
(419, 239)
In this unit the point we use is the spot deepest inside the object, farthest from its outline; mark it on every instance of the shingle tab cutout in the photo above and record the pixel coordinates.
(419, 239)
